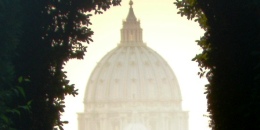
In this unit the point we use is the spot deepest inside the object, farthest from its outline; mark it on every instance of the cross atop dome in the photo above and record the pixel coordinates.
(131, 3)
(131, 15)
(131, 33)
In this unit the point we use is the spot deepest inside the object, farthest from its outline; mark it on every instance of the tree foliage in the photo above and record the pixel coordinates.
(37, 38)
(231, 56)
(10, 26)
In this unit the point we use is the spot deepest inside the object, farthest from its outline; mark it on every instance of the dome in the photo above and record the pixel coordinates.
(132, 72)
(132, 88)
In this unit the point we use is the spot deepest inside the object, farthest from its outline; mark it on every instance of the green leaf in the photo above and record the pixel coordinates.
(20, 79)
(21, 91)
(3, 117)
(29, 103)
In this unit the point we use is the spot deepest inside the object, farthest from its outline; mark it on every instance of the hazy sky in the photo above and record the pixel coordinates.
(166, 32)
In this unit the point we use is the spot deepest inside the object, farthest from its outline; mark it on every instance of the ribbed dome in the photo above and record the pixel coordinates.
(133, 72)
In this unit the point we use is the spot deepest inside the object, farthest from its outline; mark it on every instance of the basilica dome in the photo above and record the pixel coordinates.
(132, 88)
(132, 72)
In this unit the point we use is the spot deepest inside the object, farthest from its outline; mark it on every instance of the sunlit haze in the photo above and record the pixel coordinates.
(166, 32)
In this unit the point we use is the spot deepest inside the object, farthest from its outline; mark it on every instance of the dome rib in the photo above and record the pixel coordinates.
(140, 71)
(110, 87)
(171, 74)
(152, 65)
(124, 74)
(148, 60)
(104, 76)
(90, 95)
(139, 74)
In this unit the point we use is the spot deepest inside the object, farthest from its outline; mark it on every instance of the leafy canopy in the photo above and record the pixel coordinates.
(230, 59)
(38, 38)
